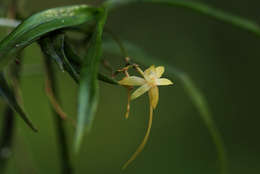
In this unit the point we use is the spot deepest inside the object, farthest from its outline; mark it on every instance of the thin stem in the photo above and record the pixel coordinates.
(53, 101)
(7, 138)
(60, 128)
(197, 7)
(55, 104)
(8, 130)
(128, 102)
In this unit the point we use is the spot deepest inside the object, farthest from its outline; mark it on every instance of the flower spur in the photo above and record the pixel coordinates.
(149, 83)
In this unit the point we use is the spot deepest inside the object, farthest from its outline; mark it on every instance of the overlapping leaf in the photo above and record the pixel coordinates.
(198, 7)
(42, 23)
(35, 27)
(54, 46)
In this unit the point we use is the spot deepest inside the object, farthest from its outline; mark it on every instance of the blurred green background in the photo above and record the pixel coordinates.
(222, 60)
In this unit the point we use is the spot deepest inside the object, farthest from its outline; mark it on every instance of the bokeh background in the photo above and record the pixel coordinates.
(222, 60)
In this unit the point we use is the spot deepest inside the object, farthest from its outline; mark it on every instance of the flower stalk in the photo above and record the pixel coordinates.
(66, 164)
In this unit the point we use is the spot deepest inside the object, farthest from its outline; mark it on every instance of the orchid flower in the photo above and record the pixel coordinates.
(149, 83)
(152, 79)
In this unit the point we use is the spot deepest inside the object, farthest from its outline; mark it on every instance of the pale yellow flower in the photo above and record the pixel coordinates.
(150, 82)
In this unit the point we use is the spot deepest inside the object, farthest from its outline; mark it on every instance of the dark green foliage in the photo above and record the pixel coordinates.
(40, 24)
(88, 90)
(48, 28)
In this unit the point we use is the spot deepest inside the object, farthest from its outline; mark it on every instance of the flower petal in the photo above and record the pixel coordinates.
(141, 90)
(132, 81)
(163, 82)
(154, 96)
(149, 71)
(159, 71)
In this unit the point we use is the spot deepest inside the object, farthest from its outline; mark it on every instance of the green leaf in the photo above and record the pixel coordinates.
(88, 90)
(200, 8)
(193, 92)
(41, 23)
(8, 95)
(201, 104)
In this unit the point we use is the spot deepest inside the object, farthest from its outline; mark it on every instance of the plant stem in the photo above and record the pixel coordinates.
(60, 128)
(9, 120)
(197, 7)
(7, 138)
(8, 130)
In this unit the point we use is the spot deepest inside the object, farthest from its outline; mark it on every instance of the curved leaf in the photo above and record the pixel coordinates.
(8, 95)
(200, 8)
(41, 23)
(88, 90)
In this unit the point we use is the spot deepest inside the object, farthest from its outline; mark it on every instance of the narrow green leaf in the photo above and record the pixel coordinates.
(201, 104)
(88, 90)
(41, 23)
(193, 92)
(8, 95)
(200, 8)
